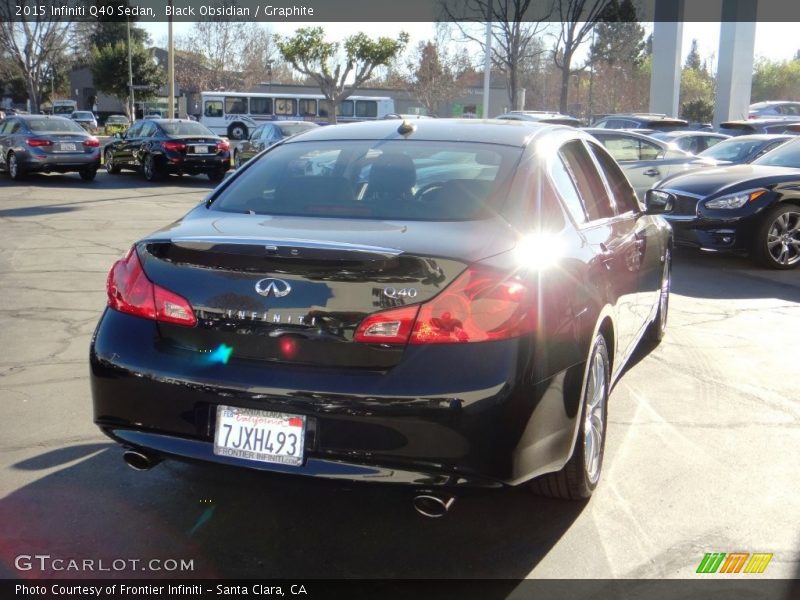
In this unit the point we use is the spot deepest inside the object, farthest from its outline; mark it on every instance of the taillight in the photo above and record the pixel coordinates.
(174, 146)
(224, 146)
(37, 143)
(91, 143)
(480, 305)
(130, 291)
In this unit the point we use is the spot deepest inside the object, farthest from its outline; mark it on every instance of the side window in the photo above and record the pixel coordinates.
(285, 106)
(648, 151)
(268, 133)
(148, 130)
(587, 180)
(260, 106)
(213, 108)
(134, 130)
(366, 108)
(345, 109)
(16, 127)
(257, 132)
(711, 141)
(308, 108)
(235, 106)
(565, 187)
(624, 194)
(621, 147)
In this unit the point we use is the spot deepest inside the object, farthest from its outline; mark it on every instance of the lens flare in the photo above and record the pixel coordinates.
(221, 354)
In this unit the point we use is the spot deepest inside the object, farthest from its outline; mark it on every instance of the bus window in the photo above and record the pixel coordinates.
(285, 106)
(260, 106)
(345, 109)
(235, 106)
(213, 108)
(308, 108)
(366, 108)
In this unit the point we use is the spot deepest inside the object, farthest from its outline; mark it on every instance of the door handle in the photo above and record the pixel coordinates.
(652, 172)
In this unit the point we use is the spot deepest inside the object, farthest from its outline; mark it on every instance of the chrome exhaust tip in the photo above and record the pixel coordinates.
(433, 505)
(139, 461)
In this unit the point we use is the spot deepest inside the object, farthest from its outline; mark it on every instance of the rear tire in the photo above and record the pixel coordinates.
(151, 169)
(777, 238)
(88, 174)
(15, 170)
(580, 476)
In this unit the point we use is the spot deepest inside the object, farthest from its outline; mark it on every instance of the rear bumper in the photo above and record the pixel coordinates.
(41, 161)
(177, 163)
(448, 416)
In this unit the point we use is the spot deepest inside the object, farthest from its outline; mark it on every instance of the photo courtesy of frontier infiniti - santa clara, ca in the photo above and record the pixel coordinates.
(444, 304)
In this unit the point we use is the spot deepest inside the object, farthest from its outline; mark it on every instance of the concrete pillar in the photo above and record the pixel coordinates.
(665, 81)
(737, 41)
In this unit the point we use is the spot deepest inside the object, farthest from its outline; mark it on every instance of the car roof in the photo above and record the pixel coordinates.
(765, 121)
(686, 133)
(489, 131)
(757, 137)
(30, 117)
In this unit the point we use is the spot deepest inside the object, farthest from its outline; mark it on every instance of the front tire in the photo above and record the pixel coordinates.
(111, 168)
(777, 238)
(237, 160)
(580, 476)
(237, 131)
(658, 327)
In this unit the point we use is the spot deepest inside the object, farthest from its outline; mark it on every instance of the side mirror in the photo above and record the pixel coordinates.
(657, 202)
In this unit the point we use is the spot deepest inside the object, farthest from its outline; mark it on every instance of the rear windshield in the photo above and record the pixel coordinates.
(734, 150)
(82, 115)
(665, 125)
(375, 179)
(185, 128)
(54, 125)
(287, 130)
(786, 155)
(114, 119)
(736, 128)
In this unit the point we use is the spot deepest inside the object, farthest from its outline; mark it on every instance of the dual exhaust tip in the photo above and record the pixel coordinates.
(428, 504)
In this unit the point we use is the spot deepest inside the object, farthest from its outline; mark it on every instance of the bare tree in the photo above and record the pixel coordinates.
(436, 73)
(578, 18)
(36, 45)
(516, 26)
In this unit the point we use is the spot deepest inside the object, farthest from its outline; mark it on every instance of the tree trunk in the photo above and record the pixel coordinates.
(565, 72)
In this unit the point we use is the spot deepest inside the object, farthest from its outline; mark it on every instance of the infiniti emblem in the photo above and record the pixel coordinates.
(277, 287)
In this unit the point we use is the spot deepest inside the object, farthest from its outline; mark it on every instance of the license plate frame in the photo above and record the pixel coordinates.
(67, 147)
(200, 149)
(248, 432)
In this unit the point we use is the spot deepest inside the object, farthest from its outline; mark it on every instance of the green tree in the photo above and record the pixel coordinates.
(698, 88)
(325, 63)
(110, 71)
(776, 80)
(693, 60)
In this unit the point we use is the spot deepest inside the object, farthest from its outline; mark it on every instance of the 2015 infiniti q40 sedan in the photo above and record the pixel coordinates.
(443, 304)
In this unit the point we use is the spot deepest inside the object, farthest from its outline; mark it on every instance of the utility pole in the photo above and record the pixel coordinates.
(487, 63)
(132, 107)
(171, 70)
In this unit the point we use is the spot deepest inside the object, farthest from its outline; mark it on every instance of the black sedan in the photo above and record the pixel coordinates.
(39, 143)
(158, 147)
(743, 149)
(751, 208)
(462, 333)
(267, 135)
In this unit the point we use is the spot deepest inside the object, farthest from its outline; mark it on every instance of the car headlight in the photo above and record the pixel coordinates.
(737, 200)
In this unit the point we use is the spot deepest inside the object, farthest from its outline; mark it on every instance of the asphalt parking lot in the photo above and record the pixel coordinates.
(702, 454)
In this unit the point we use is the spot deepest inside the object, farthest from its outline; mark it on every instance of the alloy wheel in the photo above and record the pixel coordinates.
(783, 238)
(13, 166)
(594, 418)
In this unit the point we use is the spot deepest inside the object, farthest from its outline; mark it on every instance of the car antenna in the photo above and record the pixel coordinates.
(405, 128)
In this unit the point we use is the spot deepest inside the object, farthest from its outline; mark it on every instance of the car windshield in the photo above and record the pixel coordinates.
(786, 155)
(82, 115)
(287, 130)
(185, 128)
(733, 150)
(375, 179)
(57, 125)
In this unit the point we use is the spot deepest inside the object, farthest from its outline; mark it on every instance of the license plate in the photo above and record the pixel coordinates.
(260, 435)
(201, 149)
(67, 147)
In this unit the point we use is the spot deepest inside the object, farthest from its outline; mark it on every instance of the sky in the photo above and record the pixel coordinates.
(775, 41)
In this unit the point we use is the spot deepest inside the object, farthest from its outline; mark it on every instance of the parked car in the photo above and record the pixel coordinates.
(645, 159)
(774, 108)
(786, 125)
(752, 208)
(541, 117)
(640, 121)
(744, 148)
(153, 114)
(159, 147)
(265, 136)
(693, 142)
(117, 124)
(38, 143)
(85, 119)
(463, 333)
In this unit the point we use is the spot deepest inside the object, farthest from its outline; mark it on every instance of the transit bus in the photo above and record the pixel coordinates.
(235, 114)
(64, 107)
